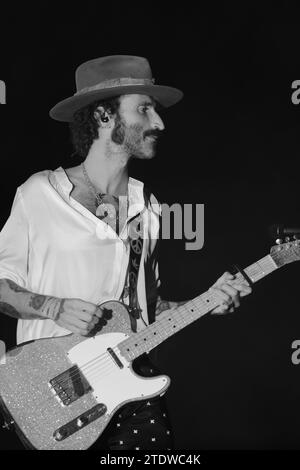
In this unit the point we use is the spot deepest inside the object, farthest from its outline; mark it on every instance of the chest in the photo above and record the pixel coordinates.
(86, 199)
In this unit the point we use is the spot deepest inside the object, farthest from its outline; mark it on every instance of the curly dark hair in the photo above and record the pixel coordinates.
(84, 127)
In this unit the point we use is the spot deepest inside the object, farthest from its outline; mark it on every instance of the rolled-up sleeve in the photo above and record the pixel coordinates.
(14, 244)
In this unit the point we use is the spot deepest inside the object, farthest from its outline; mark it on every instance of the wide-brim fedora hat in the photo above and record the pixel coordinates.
(106, 77)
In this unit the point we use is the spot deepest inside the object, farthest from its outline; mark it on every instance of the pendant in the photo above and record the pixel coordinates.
(104, 211)
(101, 211)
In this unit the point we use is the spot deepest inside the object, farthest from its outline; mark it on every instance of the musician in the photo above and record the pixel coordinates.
(65, 247)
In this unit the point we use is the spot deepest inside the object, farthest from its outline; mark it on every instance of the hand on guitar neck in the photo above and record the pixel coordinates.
(227, 288)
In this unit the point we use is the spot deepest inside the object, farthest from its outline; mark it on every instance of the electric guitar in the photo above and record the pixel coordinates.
(60, 393)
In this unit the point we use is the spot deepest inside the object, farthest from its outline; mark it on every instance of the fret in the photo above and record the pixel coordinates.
(169, 323)
(256, 271)
(261, 268)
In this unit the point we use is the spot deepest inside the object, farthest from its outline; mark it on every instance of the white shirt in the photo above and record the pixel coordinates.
(52, 245)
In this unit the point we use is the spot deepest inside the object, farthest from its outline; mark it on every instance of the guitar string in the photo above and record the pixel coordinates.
(55, 395)
(92, 369)
(90, 364)
(89, 367)
(107, 366)
(106, 369)
(103, 358)
(95, 362)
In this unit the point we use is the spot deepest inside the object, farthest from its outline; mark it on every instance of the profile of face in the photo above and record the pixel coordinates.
(137, 126)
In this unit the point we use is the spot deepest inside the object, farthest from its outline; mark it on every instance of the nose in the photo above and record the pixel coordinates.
(157, 122)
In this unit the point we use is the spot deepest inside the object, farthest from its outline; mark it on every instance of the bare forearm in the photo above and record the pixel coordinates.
(163, 305)
(17, 302)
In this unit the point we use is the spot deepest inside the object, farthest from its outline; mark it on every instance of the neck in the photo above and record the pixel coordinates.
(107, 169)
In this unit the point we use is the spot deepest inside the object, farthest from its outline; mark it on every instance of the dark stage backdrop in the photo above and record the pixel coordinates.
(233, 144)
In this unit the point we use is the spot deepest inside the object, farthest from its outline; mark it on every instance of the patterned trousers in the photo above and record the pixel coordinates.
(140, 425)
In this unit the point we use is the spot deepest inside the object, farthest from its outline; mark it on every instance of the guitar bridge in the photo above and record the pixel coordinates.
(69, 386)
(80, 422)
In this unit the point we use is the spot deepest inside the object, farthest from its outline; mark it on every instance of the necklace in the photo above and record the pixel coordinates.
(102, 210)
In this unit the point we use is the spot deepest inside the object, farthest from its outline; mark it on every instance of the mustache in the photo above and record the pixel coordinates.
(155, 133)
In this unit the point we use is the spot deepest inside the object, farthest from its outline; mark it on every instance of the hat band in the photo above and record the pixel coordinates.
(116, 82)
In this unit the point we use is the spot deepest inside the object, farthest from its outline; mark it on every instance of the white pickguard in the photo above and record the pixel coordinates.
(111, 384)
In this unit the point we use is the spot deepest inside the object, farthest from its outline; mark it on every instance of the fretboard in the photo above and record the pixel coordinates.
(172, 321)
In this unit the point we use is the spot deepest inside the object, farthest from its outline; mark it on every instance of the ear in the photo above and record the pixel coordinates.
(103, 117)
(100, 111)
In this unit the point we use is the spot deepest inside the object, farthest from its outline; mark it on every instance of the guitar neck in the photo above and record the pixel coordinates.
(172, 321)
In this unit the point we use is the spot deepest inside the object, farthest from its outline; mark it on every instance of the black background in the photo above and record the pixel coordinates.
(232, 143)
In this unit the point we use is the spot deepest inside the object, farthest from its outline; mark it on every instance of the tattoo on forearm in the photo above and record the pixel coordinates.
(12, 311)
(18, 302)
(36, 301)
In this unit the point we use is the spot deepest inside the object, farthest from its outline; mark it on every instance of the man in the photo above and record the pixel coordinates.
(66, 246)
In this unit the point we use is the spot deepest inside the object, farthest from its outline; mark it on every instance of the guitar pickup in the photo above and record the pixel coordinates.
(69, 386)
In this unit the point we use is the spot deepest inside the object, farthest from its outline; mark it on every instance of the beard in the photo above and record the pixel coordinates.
(136, 142)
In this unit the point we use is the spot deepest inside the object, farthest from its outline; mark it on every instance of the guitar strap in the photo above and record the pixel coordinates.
(136, 242)
(136, 249)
